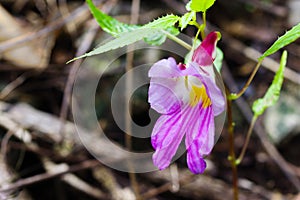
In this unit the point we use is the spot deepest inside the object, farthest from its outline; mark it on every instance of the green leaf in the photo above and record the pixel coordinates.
(156, 39)
(167, 23)
(219, 59)
(128, 34)
(272, 94)
(186, 18)
(289, 37)
(126, 39)
(163, 22)
(200, 5)
(115, 27)
(108, 23)
(188, 6)
(159, 38)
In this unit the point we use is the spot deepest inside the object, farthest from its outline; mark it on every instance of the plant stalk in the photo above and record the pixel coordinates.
(234, 96)
(250, 130)
(232, 156)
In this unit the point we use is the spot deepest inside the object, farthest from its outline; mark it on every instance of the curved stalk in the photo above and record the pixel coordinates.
(234, 96)
(241, 156)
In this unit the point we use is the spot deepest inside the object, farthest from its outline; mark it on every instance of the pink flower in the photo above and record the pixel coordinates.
(188, 99)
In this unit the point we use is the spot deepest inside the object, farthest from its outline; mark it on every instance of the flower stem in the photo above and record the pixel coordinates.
(241, 156)
(234, 96)
(196, 37)
(177, 40)
(232, 157)
(203, 25)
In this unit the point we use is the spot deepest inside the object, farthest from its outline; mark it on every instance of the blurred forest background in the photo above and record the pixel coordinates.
(41, 156)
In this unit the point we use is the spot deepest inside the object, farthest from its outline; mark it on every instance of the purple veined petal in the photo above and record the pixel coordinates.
(203, 129)
(195, 161)
(166, 137)
(166, 95)
(165, 68)
(215, 94)
(162, 95)
(199, 139)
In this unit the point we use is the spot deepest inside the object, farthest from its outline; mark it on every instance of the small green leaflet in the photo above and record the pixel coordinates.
(186, 18)
(115, 28)
(199, 5)
(126, 39)
(272, 94)
(289, 37)
(188, 6)
(219, 60)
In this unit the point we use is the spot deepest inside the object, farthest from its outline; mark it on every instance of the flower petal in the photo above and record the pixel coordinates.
(162, 95)
(215, 94)
(200, 139)
(202, 57)
(206, 76)
(205, 54)
(195, 162)
(168, 133)
(165, 68)
(166, 137)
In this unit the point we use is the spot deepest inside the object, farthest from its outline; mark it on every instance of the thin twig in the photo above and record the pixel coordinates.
(4, 143)
(167, 187)
(73, 180)
(135, 9)
(81, 185)
(107, 179)
(45, 176)
(12, 85)
(15, 128)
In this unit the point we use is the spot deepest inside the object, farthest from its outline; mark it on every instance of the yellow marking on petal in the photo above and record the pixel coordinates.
(197, 94)
(186, 83)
